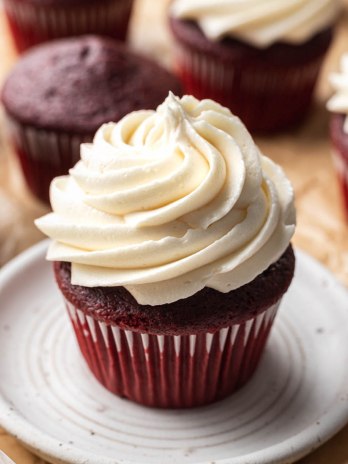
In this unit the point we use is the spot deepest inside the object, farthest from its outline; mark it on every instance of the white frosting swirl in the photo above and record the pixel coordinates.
(259, 22)
(338, 103)
(167, 202)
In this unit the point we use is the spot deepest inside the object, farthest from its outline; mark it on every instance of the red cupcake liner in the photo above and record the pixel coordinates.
(32, 24)
(339, 142)
(340, 161)
(44, 154)
(176, 371)
(265, 97)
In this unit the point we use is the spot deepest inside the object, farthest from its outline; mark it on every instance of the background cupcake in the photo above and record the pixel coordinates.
(36, 21)
(338, 104)
(178, 232)
(83, 82)
(261, 59)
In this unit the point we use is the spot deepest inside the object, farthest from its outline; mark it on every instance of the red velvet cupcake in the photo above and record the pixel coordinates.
(171, 249)
(261, 61)
(183, 354)
(83, 82)
(36, 21)
(338, 104)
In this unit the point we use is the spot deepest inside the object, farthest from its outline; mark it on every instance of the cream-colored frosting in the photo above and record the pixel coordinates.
(167, 202)
(259, 22)
(338, 103)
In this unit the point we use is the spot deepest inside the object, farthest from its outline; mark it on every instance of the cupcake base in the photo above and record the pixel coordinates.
(32, 23)
(44, 154)
(172, 371)
(177, 355)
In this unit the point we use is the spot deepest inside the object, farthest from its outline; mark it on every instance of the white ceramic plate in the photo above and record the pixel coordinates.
(297, 399)
(5, 459)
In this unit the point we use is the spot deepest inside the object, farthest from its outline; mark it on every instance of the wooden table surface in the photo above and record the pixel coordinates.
(303, 153)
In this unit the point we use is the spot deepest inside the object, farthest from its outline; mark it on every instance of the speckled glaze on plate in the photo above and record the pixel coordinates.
(297, 399)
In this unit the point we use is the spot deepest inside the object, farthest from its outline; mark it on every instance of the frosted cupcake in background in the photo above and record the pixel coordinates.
(35, 21)
(260, 58)
(338, 105)
(171, 247)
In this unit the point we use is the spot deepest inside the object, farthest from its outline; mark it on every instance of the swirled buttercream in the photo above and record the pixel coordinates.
(259, 22)
(167, 202)
(338, 103)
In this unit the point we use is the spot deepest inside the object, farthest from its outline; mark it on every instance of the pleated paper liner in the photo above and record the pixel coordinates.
(172, 371)
(339, 151)
(266, 98)
(44, 154)
(32, 24)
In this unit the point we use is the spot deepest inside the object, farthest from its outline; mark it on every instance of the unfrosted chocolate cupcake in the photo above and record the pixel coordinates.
(35, 21)
(260, 60)
(59, 94)
(171, 249)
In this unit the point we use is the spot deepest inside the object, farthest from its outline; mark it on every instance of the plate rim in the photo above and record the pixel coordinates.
(293, 448)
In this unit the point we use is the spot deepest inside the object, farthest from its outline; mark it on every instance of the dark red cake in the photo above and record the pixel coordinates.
(339, 141)
(183, 354)
(207, 310)
(36, 21)
(59, 94)
(268, 88)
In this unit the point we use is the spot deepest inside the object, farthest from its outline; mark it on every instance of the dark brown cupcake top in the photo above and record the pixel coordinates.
(75, 85)
(206, 311)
